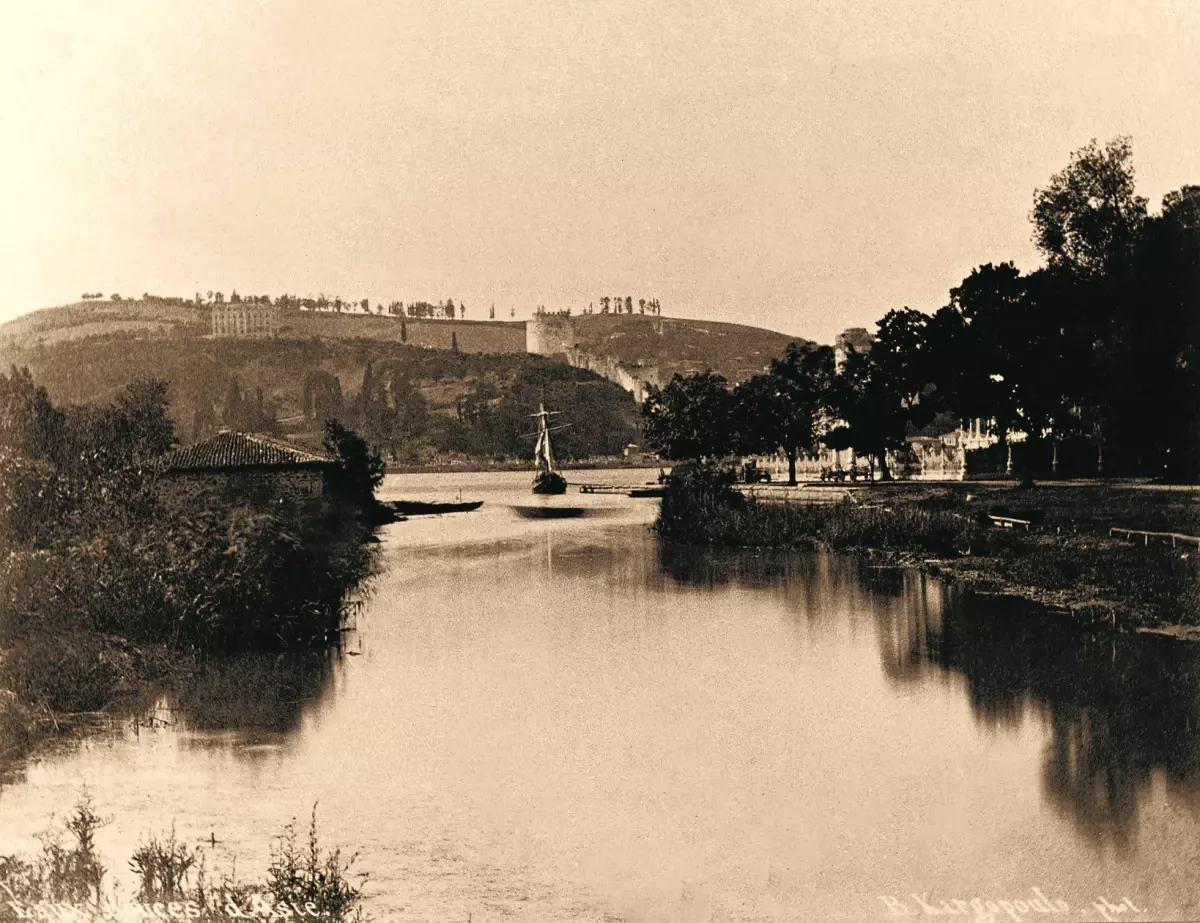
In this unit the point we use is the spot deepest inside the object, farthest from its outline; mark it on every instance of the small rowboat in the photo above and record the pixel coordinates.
(550, 512)
(420, 508)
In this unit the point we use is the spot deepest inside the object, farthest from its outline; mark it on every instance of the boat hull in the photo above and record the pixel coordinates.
(548, 483)
(418, 508)
(550, 512)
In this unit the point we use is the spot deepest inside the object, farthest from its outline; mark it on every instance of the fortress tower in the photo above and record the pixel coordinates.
(550, 335)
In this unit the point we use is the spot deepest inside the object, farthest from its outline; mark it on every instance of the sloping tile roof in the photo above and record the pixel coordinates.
(240, 450)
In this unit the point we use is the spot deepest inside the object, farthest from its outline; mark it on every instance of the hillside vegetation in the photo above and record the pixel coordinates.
(684, 346)
(418, 404)
(424, 390)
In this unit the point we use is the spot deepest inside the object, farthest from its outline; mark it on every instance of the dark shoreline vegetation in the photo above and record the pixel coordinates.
(1067, 562)
(113, 584)
(1086, 367)
(66, 880)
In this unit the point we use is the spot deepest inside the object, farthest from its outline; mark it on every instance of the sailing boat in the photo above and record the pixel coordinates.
(547, 480)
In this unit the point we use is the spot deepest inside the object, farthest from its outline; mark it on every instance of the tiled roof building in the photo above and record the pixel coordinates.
(245, 468)
(241, 450)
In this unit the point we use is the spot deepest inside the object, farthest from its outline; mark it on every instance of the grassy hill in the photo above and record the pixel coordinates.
(469, 400)
(210, 378)
(734, 350)
(678, 345)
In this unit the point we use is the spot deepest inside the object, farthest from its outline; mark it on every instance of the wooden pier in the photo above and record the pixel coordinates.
(649, 489)
(800, 493)
(1010, 522)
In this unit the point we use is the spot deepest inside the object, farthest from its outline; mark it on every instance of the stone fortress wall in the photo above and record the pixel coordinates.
(553, 335)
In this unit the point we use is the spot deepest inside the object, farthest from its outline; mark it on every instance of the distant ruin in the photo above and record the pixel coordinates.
(244, 320)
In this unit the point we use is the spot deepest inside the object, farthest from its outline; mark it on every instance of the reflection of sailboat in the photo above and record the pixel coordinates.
(547, 480)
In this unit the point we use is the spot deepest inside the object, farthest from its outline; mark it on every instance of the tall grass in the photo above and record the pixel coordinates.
(701, 505)
(1068, 563)
(67, 880)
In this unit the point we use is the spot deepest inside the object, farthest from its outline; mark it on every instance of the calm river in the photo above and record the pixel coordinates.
(565, 720)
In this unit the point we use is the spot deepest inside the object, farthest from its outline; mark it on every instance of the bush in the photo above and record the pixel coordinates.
(69, 872)
(77, 673)
(309, 874)
(701, 505)
(699, 502)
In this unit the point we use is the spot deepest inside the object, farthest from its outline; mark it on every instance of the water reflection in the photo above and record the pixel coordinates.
(1118, 710)
(264, 694)
(554, 720)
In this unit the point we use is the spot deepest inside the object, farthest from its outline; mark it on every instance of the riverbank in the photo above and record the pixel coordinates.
(95, 631)
(484, 466)
(116, 576)
(1064, 560)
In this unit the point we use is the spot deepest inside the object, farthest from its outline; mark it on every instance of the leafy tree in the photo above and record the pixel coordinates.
(871, 413)
(360, 469)
(691, 418)
(975, 355)
(232, 409)
(1089, 217)
(142, 430)
(788, 407)
(321, 397)
(29, 424)
(1181, 210)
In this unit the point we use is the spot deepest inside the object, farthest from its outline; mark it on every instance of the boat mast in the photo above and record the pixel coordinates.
(544, 437)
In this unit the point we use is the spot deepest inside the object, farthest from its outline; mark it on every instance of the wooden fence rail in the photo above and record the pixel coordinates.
(1174, 538)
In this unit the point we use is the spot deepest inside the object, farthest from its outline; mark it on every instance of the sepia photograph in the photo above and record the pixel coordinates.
(600, 461)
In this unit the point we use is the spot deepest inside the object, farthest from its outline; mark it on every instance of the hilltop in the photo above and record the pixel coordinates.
(676, 344)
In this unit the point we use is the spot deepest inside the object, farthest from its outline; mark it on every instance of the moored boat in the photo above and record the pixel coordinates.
(546, 480)
(432, 508)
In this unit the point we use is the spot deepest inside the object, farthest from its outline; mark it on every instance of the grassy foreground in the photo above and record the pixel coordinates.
(1067, 561)
(66, 880)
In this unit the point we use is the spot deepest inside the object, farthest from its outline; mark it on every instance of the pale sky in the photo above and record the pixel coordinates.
(802, 165)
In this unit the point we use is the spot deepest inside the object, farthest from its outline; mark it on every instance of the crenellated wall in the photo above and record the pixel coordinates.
(638, 378)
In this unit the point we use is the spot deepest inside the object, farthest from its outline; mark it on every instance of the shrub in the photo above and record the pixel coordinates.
(68, 871)
(699, 502)
(303, 873)
(162, 867)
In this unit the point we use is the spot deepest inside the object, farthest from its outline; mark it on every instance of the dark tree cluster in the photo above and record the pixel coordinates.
(787, 409)
(1099, 347)
(497, 424)
(619, 305)
(391, 412)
